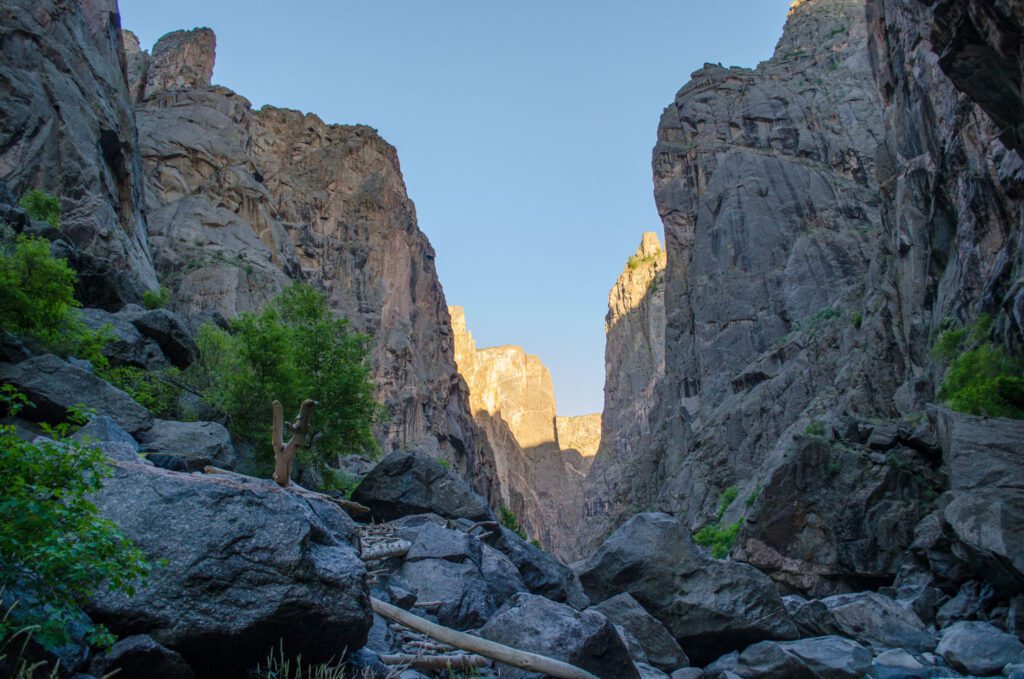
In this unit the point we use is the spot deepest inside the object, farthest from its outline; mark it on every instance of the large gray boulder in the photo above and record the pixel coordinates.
(659, 647)
(875, 620)
(980, 452)
(54, 386)
(818, 658)
(167, 329)
(588, 639)
(203, 440)
(709, 606)
(988, 525)
(127, 347)
(542, 573)
(409, 483)
(139, 657)
(445, 566)
(249, 566)
(978, 648)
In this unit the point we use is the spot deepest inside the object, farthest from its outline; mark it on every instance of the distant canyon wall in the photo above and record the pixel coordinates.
(540, 459)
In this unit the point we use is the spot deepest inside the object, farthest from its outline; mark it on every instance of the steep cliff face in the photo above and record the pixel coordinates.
(67, 128)
(826, 216)
(242, 202)
(634, 365)
(536, 474)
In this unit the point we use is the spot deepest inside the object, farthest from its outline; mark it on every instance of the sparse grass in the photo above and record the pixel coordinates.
(443, 462)
(816, 429)
(728, 497)
(509, 520)
(280, 666)
(752, 497)
(857, 319)
(635, 262)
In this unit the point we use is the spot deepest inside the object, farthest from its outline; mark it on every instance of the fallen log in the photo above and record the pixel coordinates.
(436, 662)
(524, 660)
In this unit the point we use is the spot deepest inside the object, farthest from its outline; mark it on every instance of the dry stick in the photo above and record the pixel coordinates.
(490, 649)
(386, 550)
(284, 454)
(436, 662)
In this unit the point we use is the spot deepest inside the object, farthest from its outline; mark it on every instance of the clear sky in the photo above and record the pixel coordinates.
(524, 129)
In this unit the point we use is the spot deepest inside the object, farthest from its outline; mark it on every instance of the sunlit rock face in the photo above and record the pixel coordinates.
(634, 364)
(581, 433)
(537, 474)
(243, 202)
(66, 127)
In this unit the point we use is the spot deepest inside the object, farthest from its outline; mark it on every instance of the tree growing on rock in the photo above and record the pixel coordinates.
(294, 349)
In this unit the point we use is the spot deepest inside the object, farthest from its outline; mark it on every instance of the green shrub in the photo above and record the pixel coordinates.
(443, 462)
(635, 262)
(42, 207)
(728, 496)
(156, 299)
(858, 319)
(509, 520)
(816, 429)
(156, 390)
(54, 545)
(982, 378)
(292, 350)
(719, 538)
(38, 301)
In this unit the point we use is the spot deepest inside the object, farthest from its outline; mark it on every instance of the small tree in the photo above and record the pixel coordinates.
(294, 349)
(42, 207)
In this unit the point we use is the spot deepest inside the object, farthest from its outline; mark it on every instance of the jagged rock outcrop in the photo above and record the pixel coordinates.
(634, 364)
(68, 128)
(536, 475)
(242, 202)
(826, 215)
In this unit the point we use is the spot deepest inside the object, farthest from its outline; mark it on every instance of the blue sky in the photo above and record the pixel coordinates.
(524, 130)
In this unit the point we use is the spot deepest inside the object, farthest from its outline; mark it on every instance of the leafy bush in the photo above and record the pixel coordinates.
(42, 207)
(509, 520)
(719, 538)
(635, 262)
(156, 390)
(983, 378)
(728, 496)
(816, 429)
(858, 319)
(54, 545)
(752, 497)
(156, 299)
(38, 301)
(292, 350)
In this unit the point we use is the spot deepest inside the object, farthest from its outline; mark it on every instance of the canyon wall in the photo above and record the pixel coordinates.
(826, 215)
(67, 128)
(242, 202)
(538, 474)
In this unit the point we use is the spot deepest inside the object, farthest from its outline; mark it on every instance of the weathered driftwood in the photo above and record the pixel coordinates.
(436, 662)
(284, 453)
(347, 505)
(386, 550)
(524, 660)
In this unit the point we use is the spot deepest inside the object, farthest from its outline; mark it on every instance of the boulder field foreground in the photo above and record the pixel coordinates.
(783, 483)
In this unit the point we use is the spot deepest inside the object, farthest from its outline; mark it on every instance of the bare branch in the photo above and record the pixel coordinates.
(284, 454)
